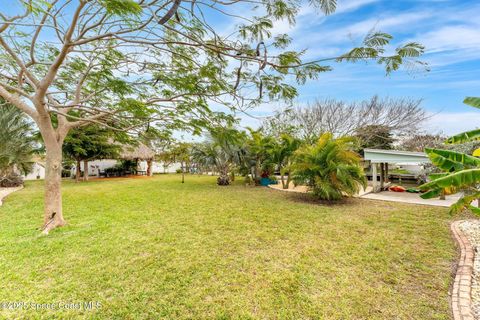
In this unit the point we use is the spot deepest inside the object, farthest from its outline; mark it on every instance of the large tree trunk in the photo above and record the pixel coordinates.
(53, 215)
(77, 172)
(149, 168)
(85, 170)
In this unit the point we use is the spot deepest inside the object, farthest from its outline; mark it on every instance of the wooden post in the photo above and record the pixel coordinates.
(386, 172)
(374, 177)
(382, 176)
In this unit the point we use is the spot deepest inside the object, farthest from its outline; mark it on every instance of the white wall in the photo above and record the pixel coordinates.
(95, 166)
(37, 171)
(158, 167)
(411, 167)
(100, 165)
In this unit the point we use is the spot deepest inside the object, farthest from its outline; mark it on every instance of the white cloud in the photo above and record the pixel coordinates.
(453, 122)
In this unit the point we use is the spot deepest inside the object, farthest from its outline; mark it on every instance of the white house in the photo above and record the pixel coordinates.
(38, 172)
(100, 165)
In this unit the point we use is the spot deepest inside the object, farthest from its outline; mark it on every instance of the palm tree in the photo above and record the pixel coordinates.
(16, 145)
(460, 171)
(329, 168)
(258, 152)
(222, 151)
(281, 154)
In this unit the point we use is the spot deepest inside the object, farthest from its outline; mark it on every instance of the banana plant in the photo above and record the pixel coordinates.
(460, 172)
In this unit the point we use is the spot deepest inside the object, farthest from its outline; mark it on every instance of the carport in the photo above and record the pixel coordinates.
(380, 159)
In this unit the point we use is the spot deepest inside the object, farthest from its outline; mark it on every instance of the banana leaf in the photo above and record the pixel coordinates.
(464, 202)
(451, 160)
(472, 101)
(456, 179)
(475, 210)
(435, 176)
(434, 193)
(464, 137)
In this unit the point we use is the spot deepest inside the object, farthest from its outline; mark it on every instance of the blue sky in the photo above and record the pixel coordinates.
(448, 30)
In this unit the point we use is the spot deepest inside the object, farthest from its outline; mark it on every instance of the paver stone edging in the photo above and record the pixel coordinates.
(462, 286)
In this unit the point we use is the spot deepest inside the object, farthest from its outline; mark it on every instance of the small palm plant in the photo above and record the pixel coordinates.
(281, 155)
(460, 172)
(16, 145)
(221, 152)
(330, 168)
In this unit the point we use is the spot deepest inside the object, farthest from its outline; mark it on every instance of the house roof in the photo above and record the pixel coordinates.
(395, 156)
(140, 151)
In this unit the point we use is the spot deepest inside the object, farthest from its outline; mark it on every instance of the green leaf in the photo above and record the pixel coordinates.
(464, 202)
(434, 193)
(458, 179)
(475, 210)
(327, 6)
(411, 49)
(377, 39)
(448, 161)
(122, 7)
(472, 101)
(464, 137)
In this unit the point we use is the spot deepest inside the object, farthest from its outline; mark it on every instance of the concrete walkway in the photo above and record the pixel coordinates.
(6, 191)
(413, 198)
(403, 197)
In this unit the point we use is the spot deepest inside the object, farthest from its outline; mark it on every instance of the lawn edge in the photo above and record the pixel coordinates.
(8, 192)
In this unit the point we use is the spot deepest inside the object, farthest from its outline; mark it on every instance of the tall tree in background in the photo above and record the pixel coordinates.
(16, 145)
(182, 151)
(88, 143)
(419, 142)
(400, 116)
(375, 137)
(71, 63)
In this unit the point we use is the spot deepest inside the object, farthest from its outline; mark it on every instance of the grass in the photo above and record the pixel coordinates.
(154, 248)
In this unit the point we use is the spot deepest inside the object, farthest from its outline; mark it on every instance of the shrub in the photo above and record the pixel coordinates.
(66, 173)
(11, 180)
(223, 180)
(330, 168)
(178, 171)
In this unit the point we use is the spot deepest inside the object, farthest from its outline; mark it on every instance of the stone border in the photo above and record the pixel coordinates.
(462, 286)
(5, 193)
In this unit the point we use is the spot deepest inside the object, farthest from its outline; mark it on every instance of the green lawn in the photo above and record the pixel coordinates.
(154, 248)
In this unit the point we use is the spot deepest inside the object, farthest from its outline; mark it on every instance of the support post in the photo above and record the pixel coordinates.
(386, 173)
(374, 177)
(382, 176)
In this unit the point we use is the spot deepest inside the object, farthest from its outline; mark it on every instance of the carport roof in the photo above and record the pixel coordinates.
(394, 156)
